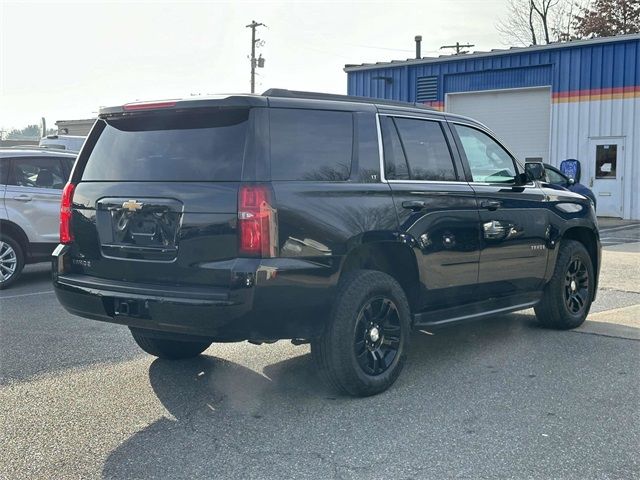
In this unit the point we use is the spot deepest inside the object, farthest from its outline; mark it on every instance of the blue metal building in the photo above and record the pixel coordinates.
(579, 99)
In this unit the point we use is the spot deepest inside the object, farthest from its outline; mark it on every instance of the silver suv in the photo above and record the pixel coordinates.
(31, 182)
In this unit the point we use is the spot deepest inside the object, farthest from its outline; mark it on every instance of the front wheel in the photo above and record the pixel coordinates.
(567, 297)
(167, 348)
(364, 345)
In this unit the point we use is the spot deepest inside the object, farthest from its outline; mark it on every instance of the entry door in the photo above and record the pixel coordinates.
(606, 167)
(513, 255)
(437, 212)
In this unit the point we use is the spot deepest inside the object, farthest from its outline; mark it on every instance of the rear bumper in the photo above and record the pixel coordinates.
(268, 299)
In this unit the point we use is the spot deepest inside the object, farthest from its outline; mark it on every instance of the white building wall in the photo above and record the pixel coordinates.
(573, 123)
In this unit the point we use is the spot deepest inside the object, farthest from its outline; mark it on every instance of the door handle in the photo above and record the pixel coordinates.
(490, 204)
(413, 205)
(23, 198)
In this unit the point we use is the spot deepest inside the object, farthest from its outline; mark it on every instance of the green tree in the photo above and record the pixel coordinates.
(605, 18)
(28, 132)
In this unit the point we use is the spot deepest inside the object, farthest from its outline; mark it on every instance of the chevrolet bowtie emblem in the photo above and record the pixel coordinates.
(132, 205)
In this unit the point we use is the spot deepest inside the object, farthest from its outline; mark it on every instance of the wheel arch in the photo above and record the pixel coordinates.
(17, 233)
(589, 239)
(393, 258)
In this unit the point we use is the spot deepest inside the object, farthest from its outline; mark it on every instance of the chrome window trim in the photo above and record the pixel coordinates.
(441, 182)
(484, 184)
(415, 117)
(381, 150)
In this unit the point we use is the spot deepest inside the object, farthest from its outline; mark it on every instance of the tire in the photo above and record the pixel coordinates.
(11, 260)
(564, 304)
(348, 350)
(165, 348)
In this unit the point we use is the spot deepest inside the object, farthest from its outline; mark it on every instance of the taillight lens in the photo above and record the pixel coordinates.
(65, 213)
(257, 222)
(129, 107)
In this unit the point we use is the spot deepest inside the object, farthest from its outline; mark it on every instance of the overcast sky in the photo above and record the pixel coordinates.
(65, 60)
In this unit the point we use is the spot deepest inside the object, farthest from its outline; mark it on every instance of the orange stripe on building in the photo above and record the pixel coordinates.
(617, 93)
(436, 104)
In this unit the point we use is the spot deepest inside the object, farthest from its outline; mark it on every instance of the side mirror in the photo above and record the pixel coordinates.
(572, 181)
(535, 170)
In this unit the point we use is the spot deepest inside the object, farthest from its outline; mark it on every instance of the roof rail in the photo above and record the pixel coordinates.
(283, 92)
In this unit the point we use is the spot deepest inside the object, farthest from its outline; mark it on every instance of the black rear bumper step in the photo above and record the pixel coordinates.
(104, 287)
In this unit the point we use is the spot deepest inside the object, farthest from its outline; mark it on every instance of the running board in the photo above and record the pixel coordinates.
(475, 311)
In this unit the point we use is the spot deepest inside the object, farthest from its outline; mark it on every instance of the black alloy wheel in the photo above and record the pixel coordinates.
(365, 341)
(567, 297)
(377, 335)
(576, 286)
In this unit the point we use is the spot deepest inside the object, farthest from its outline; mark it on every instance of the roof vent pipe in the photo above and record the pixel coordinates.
(418, 44)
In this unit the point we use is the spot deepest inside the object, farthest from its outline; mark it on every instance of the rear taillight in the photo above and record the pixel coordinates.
(257, 222)
(65, 213)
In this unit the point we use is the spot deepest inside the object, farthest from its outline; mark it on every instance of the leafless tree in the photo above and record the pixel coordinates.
(542, 8)
(520, 25)
(533, 22)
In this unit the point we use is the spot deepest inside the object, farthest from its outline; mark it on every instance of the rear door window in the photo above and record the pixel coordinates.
(38, 172)
(194, 146)
(311, 144)
(416, 150)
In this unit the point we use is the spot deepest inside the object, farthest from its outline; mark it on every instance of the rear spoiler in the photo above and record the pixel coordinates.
(197, 102)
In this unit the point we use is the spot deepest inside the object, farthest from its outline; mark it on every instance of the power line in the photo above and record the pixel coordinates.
(458, 47)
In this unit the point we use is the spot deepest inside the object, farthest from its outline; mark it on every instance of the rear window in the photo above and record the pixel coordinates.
(195, 146)
(311, 144)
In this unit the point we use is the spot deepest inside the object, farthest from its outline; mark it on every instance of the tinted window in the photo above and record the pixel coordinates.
(489, 162)
(201, 146)
(416, 150)
(426, 150)
(311, 144)
(4, 170)
(67, 164)
(38, 172)
(395, 163)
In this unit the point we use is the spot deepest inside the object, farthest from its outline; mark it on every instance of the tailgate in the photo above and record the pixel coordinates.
(156, 197)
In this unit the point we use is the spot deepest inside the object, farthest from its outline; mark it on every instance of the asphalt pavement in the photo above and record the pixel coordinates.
(502, 398)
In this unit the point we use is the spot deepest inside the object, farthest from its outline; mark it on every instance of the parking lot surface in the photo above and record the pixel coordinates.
(501, 398)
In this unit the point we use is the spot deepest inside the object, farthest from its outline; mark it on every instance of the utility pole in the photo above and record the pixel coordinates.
(458, 47)
(255, 62)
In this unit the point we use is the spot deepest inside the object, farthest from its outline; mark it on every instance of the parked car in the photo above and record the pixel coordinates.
(31, 182)
(72, 143)
(556, 177)
(339, 221)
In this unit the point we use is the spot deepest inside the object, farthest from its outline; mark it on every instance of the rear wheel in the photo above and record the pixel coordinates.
(567, 297)
(363, 348)
(170, 349)
(11, 260)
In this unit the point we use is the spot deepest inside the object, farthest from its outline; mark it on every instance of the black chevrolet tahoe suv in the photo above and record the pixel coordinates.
(339, 221)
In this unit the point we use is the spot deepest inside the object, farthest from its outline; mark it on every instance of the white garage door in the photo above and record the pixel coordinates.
(520, 118)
